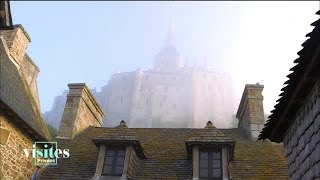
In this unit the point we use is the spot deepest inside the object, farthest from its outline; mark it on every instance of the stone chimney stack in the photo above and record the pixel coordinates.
(250, 112)
(81, 111)
(17, 40)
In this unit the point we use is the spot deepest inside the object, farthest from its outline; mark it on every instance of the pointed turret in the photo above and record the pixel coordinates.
(170, 36)
(168, 59)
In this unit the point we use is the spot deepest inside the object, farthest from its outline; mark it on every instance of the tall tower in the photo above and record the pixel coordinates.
(168, 59)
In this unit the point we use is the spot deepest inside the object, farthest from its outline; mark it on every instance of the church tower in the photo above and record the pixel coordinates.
(168, 59)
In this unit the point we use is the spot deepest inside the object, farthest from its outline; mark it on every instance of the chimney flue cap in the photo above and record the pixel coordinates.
(210, 125)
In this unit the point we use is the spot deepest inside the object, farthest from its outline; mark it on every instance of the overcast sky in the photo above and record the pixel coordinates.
(88, 41)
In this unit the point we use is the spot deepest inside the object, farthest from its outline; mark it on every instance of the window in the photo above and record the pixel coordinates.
(114, 160)
(210, 164)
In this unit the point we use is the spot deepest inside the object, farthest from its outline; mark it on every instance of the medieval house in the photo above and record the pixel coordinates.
(21, 123)
(164, 153)
(123, 152)
(295, 121)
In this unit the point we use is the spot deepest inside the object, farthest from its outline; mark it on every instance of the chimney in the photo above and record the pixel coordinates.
(250, 112)
(81, 111)
(17, 41)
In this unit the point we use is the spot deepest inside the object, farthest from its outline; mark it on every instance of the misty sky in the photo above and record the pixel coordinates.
(88, 41)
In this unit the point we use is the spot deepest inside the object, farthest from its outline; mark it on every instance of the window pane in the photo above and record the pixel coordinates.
(119, 169)
(204, 173)
(216, 164)
(120, 161)
(107, 169)
(110, 153)
(216, 172)
(203, 163)
(203, 155)
(216, 155)
(109, 160)
(121, 153)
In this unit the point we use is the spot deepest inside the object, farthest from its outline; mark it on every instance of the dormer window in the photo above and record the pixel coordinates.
(116, 153)
(114, 161)
(210, 152)
(210, 165)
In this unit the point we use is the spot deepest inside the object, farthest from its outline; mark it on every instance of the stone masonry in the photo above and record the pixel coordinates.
(302, 141)
(17, 41)
(250, 112)
(81, 111)
(13, 162)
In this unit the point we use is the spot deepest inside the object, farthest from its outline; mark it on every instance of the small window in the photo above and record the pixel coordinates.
(114, 160)
(210, 164)
(121, 99)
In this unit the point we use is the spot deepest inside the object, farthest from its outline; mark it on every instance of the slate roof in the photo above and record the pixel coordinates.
(16, 97)
(166, 154)
(301, 80)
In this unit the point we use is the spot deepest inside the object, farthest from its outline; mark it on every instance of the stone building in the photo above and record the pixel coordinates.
(172, 94)
(21, 123)
(295, 121)
(120, 152)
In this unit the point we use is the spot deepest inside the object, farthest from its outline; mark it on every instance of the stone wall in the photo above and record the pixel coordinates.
(302, 141)
(212, 99)
(81, 111)
(31, 71)
(186, 98)
(119, 98)
(161, 101)
(133, 163)
(13, 163)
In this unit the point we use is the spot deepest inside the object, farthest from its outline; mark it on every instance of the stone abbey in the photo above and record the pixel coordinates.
(196, 146)
(172, 94)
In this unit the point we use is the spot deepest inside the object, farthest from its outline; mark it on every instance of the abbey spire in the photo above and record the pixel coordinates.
(170, 36)
(168, 59)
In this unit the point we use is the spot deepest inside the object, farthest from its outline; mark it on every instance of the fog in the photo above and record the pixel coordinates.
(218, 48)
